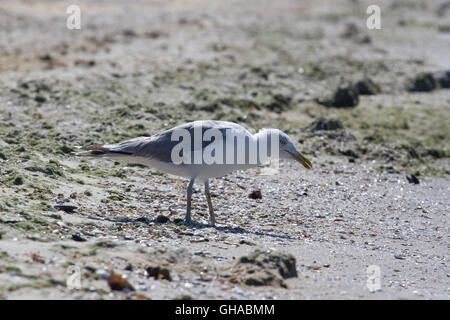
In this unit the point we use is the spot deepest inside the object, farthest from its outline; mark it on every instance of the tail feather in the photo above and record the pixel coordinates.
(101, 150)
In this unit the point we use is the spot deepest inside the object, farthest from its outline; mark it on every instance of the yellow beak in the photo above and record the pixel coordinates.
(302, 159)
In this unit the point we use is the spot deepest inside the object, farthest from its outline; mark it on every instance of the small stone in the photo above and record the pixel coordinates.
(435, 153)
(278, 103)
(155, 34)
(66, 208)
(423, 82)
(184, 297)
(265, 268)
(412, 179)
(349, 153)
(37, 258)
(101, 273)
(325, 124)
(247, 242)
(162, 219)
(367, 87)
(118, 283)
(143, 220)
(256, 194)
(129, 33)
(66, 149)
(344, 97)
(443, 78)
(159, 273)
(105, 244)
(46, 57)
(129, 267)
(18, 181)
(40, 99)
(77, 237)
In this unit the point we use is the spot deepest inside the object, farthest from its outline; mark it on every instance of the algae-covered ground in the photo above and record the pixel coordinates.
(377, 194)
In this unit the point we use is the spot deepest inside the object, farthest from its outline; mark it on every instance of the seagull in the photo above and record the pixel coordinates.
(201, 150)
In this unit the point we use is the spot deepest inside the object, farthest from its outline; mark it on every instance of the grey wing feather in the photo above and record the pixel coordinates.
(160, 146)
(156, 147)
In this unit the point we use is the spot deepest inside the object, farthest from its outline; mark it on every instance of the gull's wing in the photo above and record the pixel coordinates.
(159, 146)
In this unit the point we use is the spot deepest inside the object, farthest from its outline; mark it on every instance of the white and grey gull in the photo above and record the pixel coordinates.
(168, 153)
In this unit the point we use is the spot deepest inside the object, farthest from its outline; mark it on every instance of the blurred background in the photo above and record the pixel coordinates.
(134, 67)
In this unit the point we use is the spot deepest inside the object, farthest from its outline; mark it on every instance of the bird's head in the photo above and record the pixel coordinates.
(287, 149)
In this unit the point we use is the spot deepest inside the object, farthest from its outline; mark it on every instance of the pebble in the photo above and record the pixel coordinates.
(78, 237)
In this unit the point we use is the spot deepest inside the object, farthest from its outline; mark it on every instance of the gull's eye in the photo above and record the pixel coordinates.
(283, 142)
